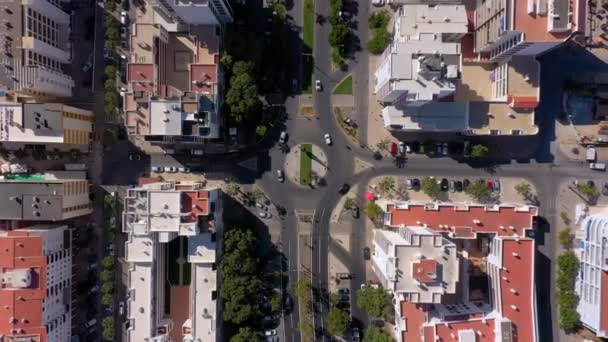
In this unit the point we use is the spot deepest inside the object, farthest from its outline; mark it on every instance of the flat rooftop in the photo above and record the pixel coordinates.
(475, 83)
(486, 117)
(437, 19)
(434, 116)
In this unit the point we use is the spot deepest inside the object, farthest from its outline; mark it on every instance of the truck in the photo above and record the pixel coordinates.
(597, 166)
(591, 153)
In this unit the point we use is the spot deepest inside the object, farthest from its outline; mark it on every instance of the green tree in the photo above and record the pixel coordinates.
(110, 71)
(587, 189)
(566, 237)
(276, 303)
(108, 261)
(242, 96)
(110, 6)
(303, 288)
(106, 275)
(379, 41)
(239, 256)
(107, 299)
(564, 216)
(375, 301)
(338, 34)
(478, 151)
(240, 298)
(108, 328)
(306, 329)
(260, 131)
(568, 316)
(107, 287)
(378, 20)
(479, 191)
(279, 9)
(386, 185)
(567, 269)
(349, 203)
(383, 144)
(430, 187)
(523, 189)
(373, 334)
(337, 321)
(373, 210)
(245, 335)
(232, 189)
(109, 200)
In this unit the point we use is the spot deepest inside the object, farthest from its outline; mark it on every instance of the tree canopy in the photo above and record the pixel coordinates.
(478, 151)
(245, 335)
(337, 321)
(373, 210)
(430, 187)
(373, 334)
(479, 191)
(375, 301)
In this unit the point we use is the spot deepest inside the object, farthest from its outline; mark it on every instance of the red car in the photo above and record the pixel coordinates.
(394, 148)
(490, 185)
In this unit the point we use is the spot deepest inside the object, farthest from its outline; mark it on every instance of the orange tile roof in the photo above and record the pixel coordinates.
(423, 269)
(205, 74)
(141, 76)
(454, 219)
(415, 316)
(517, 273)
(604, 306)
(21, 312)
(197, 202)
(530, 102)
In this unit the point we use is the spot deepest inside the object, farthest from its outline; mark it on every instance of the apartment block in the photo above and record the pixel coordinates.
(172, 250)
(459, 272)
(592, 281)
(175, 83)
(36, 275)
(470, 67)
(35, 40)
(44, 125)
(179, 13)
(50, 196)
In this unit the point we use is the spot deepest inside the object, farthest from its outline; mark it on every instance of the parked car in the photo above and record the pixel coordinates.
(344, 189)
(496, 186)
(416, 184)
(415, 146)
(294, 85)
(355, 212)
(343, 290)
(343, 305)
(318, 85)
(489, 185)
(465, 183)
(134, 157)
(459, 186)
(409, 184)
(264, 215)
(401, 148)
(272, 332)
(444, 149)
(121, 308)
(327, 138)
(438, 148)
(452, 186)
(378, 3)
(605, 189)
(183, 169)
(394, 149)
(366, 253)
(444, 184)
(356, 334)
(280, 176)
(89, 64)
(408, 148)
(124, 17)
(283, 137)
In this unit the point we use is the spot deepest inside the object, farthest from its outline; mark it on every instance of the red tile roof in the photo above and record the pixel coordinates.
(451, 218)
(425, 271)
(21, 312)
(141, 76)
(604, 306)
(196, 202)
(202, 77)
(529, 102)
(516, 287)
(415, 316)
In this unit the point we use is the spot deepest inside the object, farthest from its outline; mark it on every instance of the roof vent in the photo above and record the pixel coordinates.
(513, 291)
(515, 254)
(446, 19)
(476, 221)
(514, 307)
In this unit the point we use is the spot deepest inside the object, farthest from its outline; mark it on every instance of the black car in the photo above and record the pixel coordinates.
(415, 145)
(378, 323)
(366, 253)
(344, 189)
(343, 305)
(343, 291)
(458, 186)
(466, 183)
(605, 189)
(416, 184)
(355, 212)
(444, 185)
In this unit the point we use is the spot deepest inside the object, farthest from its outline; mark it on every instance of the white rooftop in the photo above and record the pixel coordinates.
(165, 209)
(201, 249)
(166, 117)
(438, 19)
(140, 302)
(204, 310)
(139, 249)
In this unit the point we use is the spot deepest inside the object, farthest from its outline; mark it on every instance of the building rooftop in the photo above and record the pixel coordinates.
(141, 77)
(166, 117)
(500, 117)
(503, 220)
(434, 18)
(437, 116)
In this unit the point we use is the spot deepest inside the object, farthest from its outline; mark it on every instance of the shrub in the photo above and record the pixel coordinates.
(565, 238)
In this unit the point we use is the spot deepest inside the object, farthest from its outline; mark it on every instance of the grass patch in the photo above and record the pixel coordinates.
(345, 87)
(309, 25)
(307, 111)
(306, 164)
(308, 33)
(351, 131)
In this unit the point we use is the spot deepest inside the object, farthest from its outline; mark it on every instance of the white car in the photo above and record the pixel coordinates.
(272, 332)
(378, 2)
(134, 157)
(444, 149)
(124, 17)
(283, 137)
(318, 85)
(327, 139)
(264, 214)
(280, 176)
(121, 308)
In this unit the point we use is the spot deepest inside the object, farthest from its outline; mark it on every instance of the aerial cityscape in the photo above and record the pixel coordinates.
(304, 170)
